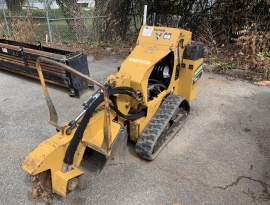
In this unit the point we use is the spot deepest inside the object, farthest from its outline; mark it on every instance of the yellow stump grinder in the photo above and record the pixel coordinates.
(146, 100)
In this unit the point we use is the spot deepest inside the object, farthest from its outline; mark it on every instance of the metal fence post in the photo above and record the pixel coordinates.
(4, 14)
(48, 20)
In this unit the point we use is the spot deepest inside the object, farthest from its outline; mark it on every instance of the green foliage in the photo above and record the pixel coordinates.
(262, 55)
(226, 64)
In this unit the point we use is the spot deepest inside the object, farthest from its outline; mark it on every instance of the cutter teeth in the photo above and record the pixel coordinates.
(41, 187)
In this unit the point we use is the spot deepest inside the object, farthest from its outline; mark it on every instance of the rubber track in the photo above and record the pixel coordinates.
(148, 138)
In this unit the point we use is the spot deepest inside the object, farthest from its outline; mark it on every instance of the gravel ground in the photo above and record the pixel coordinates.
(220, 156)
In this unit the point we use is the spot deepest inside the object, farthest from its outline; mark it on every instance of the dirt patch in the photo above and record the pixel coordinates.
(215, 81)
(232, 74)
(232, 61)
(98, 51)
(224, 60)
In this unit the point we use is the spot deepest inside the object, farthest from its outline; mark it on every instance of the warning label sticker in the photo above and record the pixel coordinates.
(147, 31)
(167, 36)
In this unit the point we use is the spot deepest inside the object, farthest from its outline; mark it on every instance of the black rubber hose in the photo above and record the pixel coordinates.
(128, 117)
(156, 85)
(157, 81)
(125, 88)
(115, 107)
(124, 92)
(69, 156)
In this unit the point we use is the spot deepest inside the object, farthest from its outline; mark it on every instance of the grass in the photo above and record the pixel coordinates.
(53, 13)
(60, 29)
(262, 55)
(226, 64)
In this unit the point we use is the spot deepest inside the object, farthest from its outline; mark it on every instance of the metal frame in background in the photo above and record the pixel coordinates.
(20, 58)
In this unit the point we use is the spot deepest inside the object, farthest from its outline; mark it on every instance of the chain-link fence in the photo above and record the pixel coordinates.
(211, 21)
(51, 20)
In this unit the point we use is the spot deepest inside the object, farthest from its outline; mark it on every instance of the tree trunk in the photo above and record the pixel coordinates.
(71, 10)
(15, 7)
(117, 23)
(98, 21)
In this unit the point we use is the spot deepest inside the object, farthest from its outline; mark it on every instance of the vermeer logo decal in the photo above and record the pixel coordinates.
(158, 35)
(161, 30)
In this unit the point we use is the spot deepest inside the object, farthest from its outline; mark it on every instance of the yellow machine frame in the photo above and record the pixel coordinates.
(102, 131)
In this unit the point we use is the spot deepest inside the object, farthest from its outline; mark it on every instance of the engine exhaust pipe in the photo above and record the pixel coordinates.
(154, 19)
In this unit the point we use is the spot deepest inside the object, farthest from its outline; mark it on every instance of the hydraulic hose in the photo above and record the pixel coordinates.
(78, 135)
